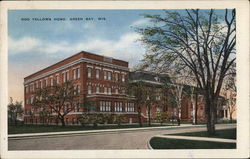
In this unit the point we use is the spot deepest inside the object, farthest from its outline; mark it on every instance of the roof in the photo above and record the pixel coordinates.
(82, 54)
(149, 77)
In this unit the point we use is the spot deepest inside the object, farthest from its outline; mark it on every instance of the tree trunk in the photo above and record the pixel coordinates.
(139, 116)
(196, 108)
(149, 117)
(231, 118)
(62, 121)
(210, 112)
(179, 114)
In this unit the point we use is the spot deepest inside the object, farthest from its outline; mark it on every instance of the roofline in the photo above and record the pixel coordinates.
(67, 59)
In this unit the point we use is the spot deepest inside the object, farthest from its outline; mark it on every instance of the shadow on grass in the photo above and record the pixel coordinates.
(19, 129)
(163, 143)
(226, 134)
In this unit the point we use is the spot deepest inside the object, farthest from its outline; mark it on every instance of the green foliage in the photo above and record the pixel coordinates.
(15, 110)
(118, 119)
(94, 118)
(161, 117)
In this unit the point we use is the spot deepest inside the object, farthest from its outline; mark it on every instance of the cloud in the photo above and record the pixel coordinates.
(125, 48)
(88, 25)
(23, 44)
(32, 50)
(140, 22)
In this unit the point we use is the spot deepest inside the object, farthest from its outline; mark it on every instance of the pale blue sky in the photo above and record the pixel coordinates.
(34, 45)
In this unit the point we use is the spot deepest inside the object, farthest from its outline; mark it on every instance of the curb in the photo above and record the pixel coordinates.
(195, 138)
(95, 132)
(148, 144)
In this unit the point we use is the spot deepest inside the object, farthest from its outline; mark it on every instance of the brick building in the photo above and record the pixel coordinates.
(98, 78)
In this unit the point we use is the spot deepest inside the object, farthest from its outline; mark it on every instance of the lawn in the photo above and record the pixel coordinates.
(163, 143)
(226, 133)
(19, 129)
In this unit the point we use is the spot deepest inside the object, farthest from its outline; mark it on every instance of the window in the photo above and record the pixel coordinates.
(64, 77)
(67, 76)
(31, 99)
(57, 79)
(31, 88)
(116, 77)
(123, 91)
(97, 74)
(74, 74)
(78, 89)
(97, 89)
(109, 90)
(118, 106)
(89, 72)
(129, 107)
(105, 106)
(41, 84)
(45, 83)
(105, 90)
(78, 72)
(89, 90)
(123, 78)
(116, 91)
(109, 76)
(51, 81)
(105, 75)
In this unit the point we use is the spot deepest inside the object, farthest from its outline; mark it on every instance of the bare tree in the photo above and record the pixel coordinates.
(230, 92)
(201, 40)
(58, 99)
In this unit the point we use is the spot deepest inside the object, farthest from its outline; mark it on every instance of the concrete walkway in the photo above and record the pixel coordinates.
(131, 139)
(197, 138)
(66, 133)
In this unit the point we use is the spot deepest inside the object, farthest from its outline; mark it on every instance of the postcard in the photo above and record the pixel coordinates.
(125, 79)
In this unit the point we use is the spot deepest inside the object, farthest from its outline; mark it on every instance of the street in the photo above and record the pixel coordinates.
(102, 141)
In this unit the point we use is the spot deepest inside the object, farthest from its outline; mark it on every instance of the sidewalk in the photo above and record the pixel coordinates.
(103, 131)
(66, 133)
(197, 138)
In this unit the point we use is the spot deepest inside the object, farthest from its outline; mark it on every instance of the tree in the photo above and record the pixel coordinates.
(150, 101)
(201, 41)
(161, 117)
(137, 90)
(15, 110)
(229, 92)
(44, 114)
(58, 99)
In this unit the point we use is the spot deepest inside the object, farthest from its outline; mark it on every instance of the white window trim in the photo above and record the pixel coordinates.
(89, 66)
(98, 68)
(106, 69)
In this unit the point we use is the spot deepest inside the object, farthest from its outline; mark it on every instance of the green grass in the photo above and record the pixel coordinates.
(226, 133)
(20, 129)
(163, 143)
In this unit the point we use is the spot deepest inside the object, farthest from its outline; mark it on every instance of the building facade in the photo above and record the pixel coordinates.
(103, 80)
(98, 78)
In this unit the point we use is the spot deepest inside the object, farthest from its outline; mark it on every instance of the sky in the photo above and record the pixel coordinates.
(34, 44)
